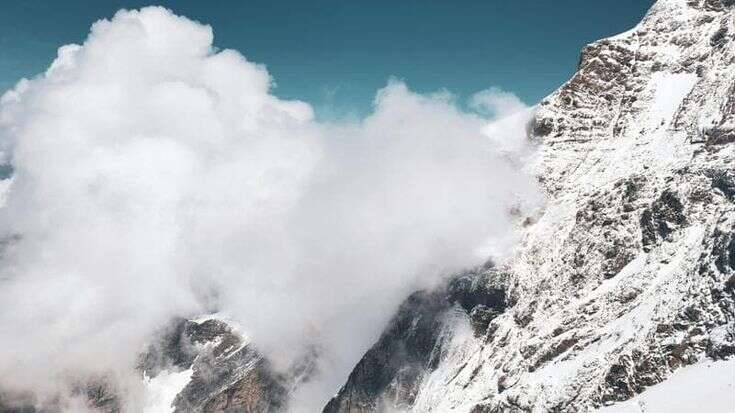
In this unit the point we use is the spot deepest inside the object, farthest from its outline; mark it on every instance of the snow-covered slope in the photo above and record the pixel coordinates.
(628, 275)
(707, 386)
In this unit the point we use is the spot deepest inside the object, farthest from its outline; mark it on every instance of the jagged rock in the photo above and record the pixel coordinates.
(227, 373)
(390, 371)
(480, 318)
(174, 349)
(664, 216)
(389, 375)
(724, 181)
(478, 289)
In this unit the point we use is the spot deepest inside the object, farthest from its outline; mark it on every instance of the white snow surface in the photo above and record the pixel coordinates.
(708, 387)
(162, 389)
(669, 90)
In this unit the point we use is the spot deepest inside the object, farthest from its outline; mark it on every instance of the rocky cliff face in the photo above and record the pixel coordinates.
(226, 373)
(197, 366)
(391, 373)
(629, 273)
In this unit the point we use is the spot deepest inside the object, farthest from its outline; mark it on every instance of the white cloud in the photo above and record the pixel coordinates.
(496, 102)
(157, 177)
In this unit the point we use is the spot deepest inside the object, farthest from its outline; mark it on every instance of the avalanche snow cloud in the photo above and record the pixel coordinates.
(155, 176)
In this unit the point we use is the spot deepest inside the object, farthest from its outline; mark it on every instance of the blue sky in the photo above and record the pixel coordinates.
(336, 54)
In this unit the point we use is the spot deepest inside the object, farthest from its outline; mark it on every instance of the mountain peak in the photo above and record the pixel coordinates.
(625, 277)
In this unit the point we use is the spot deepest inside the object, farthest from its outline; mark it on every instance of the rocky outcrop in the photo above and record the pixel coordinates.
(227, 373)
(389, 376)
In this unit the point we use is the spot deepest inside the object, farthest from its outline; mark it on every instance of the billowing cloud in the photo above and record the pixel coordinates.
(155, 176)
(496, 102)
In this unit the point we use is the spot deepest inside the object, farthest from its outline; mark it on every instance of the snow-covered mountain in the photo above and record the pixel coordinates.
(620, 295)
(627, 276)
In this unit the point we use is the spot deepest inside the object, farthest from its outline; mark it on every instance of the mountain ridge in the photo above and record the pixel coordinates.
(627, 275)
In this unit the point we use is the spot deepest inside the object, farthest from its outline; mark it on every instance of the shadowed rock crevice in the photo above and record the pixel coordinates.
(389, 375)
(665, 216)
